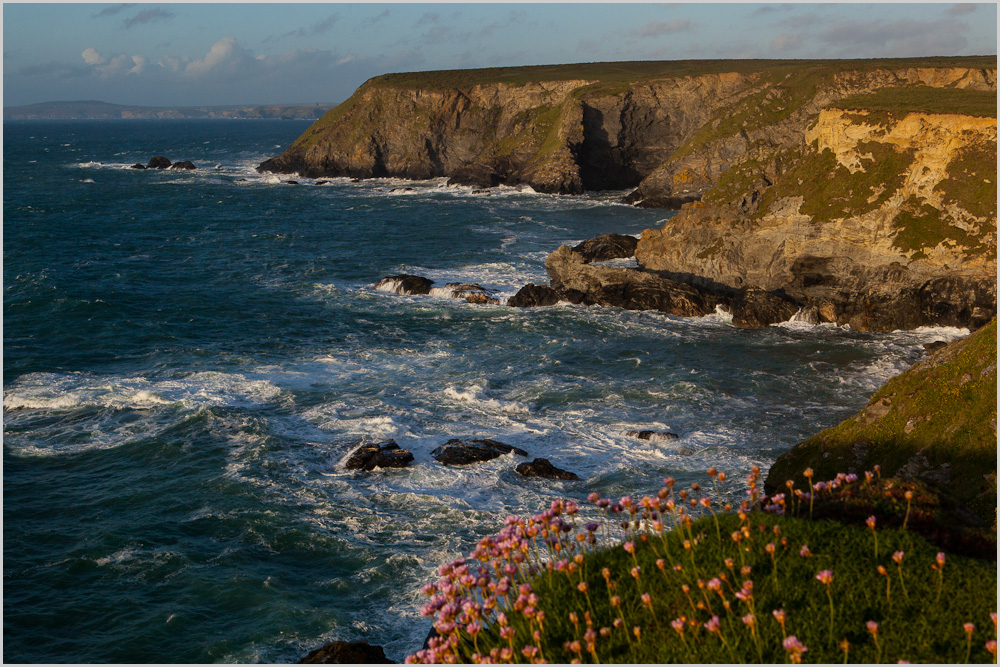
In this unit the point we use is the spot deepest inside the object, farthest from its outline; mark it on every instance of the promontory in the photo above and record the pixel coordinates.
(860, 192)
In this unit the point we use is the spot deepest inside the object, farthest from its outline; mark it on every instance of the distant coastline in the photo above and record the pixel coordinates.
(92, 109)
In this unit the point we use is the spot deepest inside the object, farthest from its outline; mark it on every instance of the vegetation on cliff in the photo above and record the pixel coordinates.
(935, 422)
(653, 583)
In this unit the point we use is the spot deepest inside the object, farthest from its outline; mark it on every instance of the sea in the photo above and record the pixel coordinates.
(189, 357)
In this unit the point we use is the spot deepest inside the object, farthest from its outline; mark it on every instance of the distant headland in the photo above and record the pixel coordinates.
(92, 109)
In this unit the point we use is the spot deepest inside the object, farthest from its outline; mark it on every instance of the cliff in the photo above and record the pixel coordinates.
(862, 192)
(936, 423)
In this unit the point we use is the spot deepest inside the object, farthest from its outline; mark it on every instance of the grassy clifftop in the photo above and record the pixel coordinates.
(936, 422)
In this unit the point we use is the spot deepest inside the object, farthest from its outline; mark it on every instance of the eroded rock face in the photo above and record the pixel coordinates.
(542, 468)
(463, 452)
(405, 284)
(346, 653)
(625, 288)
(382, 455)
(607, 246)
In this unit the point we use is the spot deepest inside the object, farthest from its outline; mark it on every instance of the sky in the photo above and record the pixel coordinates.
(186, 54)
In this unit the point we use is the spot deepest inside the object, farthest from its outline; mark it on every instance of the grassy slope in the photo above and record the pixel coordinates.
(926, 99)
(944, 409)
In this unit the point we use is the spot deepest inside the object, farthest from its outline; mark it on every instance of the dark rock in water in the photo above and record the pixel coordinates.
(654, 436)
(457, 452)
(754, 307)
(383, 455)
(607, 246)
(290, 182)
(183, 164)
(532, 295)
(405, 284)
(931, 348)
(321, 182)
(158, 162)
(137, 166)
(472, 293)
(346, 653)
(542, 468)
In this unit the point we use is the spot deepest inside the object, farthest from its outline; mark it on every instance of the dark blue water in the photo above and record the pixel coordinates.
(190, 356)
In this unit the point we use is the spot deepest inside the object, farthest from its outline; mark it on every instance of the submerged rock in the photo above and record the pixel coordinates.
(346, 653)
(405, 284)
(542, 468)
(137, 166)
(471, 292)
(183, 164)
(607, 246)
(653, 436)
(464, 452)
(382, 455)
(158, 162)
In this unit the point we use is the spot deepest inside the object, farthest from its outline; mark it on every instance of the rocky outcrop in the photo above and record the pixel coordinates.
(346, 653)
(405, 284)
(653, 436)
(158, 162)
(382, 455)
(625, 288)
(183, 164)
(879, 221)
(542, 468)
(463, 452)
(606, 247)
(470, 292)
(532, 295)
(754, 307)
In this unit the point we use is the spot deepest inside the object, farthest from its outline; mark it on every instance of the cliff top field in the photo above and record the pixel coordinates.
(640, 71)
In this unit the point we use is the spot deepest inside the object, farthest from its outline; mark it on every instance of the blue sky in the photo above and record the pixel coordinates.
(236, 53)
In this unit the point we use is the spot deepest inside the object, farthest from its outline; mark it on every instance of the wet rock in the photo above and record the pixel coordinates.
(607, 246)
(653, 436)
(158, 162)
(183, 164)
(346, 653)
(463, 452)
(321, 182)
(137, 166)
(542, 468)
(471, 292)
(290, 182)
(382, 455)
(532, 295)
(755, 307)
(405, 284)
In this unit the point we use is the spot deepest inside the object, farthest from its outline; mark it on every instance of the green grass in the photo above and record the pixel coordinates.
(561, 604)
(641, 71)
(941, 410)
(900, 101)
(972, 181)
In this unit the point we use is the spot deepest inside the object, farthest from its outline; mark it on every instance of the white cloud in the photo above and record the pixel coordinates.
(92, 57)
(658, 28)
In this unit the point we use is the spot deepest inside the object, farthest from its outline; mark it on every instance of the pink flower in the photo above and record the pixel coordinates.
(804, 551)
(871, 522)
(582, 587)
(872, 627)
(713, 624)
(749, 620)
(629, 547)
(939, 559)
(779, 615)
(897, 556)
(991, 646)
(969, 628)
(825, 577)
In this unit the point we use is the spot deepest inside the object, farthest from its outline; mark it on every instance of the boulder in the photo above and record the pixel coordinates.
(463, 452)
(607, 246)
(158, 162)
(931, 348)
(754, 307)
(653, 436)
(471, 292)
(183, 164)
(405, 284)
(532, 295)
(137, 166)
(290, 182)
(542, 468)
(346, 653)
(382, 455)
